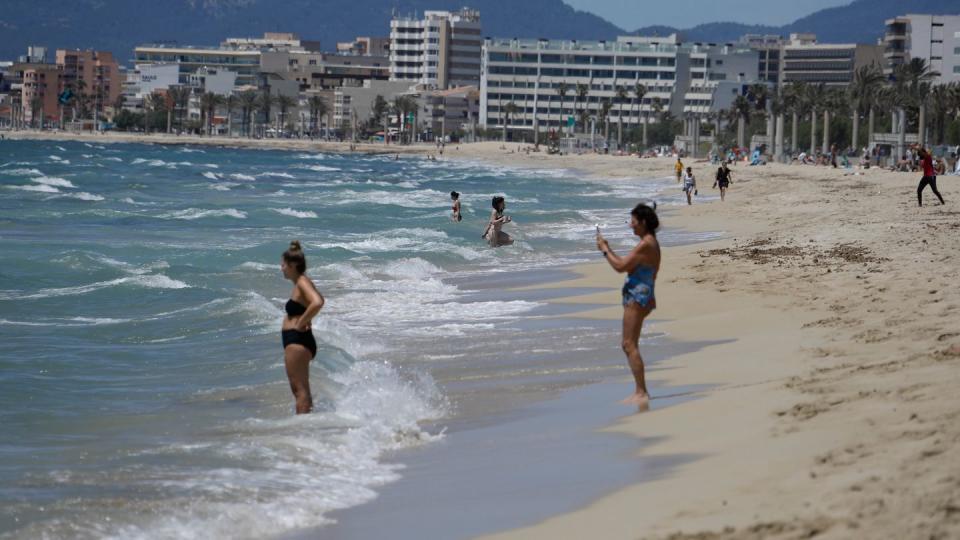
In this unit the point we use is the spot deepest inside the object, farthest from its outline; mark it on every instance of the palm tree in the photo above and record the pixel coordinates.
(941, 105)
(284, 103)
(562, 90)
(621, 97)
(793, 102)
(758, 94)
(509, 111)
(741, 109)
(582, 90)
(230, 103)
(208, 105)
(915, 77)
(605, 107)
(265, 102)
(248, 104)
(814, 98)
(157, 103)
(639, 90)
(318, 107)
(36, 109)
(864, 84)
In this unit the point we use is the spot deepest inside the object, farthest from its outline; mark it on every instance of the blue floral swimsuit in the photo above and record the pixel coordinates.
(638, 287)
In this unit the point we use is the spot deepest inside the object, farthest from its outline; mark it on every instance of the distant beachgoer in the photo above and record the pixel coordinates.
(678, 168)
(299, 345)
(929, 176)
(689, 184)
(641, 266)
(723, 180)
(493, 235)
(455, 197)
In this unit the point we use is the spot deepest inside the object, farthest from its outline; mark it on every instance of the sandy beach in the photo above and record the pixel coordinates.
(831, 410)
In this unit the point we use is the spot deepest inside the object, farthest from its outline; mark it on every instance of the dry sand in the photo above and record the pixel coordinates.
(835, 410)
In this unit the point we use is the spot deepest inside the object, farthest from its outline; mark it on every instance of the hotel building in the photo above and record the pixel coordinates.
(935, 38)
(441, 50)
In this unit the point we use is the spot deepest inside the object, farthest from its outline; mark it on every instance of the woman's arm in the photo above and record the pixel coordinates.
(314, 299)
(618, 263)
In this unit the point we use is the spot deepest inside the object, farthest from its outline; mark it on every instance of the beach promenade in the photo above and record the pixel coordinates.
(832, 408)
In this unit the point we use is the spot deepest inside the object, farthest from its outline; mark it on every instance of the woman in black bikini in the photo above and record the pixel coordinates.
(455, 197)
(299, 346)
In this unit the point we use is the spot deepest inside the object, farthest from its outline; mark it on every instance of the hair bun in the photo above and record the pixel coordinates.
(295, 245)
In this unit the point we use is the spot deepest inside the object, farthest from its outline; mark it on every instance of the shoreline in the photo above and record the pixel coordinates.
(830, 412)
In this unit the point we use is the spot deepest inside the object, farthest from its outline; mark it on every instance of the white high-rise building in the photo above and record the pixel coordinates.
(441, 50)
(935, 38)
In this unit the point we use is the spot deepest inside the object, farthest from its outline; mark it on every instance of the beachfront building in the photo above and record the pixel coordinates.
(442, 49)
(95, 73)
(39, 89)
(768, 54)
(355, 103)
(935, 38)
(538, 81)
(239, 55)
(833, 64)
(365, 46)
(146, 79)
(451, 111)
(316, 71)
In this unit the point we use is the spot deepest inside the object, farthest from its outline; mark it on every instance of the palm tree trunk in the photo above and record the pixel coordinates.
(855, 144)
(644, 130)
(169, 120)
(778, 139)
(740, 131)
(813, 131)
(794, 125)
(620, 128)
(922, 126)
(870, 126)
(902, 133)
(826, 132)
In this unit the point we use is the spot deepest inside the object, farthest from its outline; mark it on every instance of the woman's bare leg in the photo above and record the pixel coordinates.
(297, 359)
(633, 316)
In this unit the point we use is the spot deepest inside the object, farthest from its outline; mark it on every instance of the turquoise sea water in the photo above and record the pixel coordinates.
(142, 391)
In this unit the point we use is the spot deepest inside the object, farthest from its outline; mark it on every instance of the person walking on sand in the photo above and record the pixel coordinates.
(929, 176)
(299, 345)
(722, 181)
(492, 234)
(641, 265)
(689, 185)
(678, 168)
(455, 197)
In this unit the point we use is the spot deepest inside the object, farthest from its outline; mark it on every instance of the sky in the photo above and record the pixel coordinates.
(633, 14)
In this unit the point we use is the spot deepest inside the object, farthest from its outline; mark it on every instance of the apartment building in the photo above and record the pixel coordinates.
(935, 38)
(363, 46)
(833, 64)
(768, 51)
(441, 50)
(97, 72)
(39, 91)
(531, 74)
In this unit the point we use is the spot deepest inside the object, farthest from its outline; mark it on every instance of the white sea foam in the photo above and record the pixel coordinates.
(57, 158)
(197, 213)
(211, 175)
(23, 172)
(244, 177)
(223, 186)
(43, 188)
(153, 281)
(311, 156)
(53, 181)
(320, 168)
(62, 149)
(295, 213)
(277, 175)
(260, 267)
(84, 196)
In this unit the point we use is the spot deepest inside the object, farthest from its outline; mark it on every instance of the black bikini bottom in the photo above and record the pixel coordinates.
(305, 339)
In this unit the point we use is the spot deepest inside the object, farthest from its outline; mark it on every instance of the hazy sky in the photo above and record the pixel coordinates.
(633, 14)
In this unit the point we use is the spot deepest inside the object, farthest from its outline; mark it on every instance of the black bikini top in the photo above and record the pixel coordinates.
(294, 308)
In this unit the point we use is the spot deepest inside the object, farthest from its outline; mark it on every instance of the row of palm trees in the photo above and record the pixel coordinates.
(903, 100)
(258, 109)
